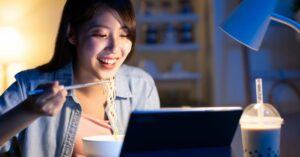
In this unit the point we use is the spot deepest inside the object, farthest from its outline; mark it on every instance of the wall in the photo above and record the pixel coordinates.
(37, 22)
(227, 64)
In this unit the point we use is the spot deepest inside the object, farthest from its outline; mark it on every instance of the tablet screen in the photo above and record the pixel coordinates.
(176, 128)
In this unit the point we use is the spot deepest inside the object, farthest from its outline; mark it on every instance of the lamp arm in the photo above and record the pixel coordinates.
(287, 21)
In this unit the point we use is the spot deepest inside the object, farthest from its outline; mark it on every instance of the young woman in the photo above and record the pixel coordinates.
(95, 37)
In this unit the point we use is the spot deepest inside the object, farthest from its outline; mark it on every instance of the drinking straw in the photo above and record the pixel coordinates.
(259, 97)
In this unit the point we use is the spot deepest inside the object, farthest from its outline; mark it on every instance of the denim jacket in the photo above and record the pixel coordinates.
(53, 136)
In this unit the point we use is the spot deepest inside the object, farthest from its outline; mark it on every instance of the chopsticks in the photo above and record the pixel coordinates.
(76, 86)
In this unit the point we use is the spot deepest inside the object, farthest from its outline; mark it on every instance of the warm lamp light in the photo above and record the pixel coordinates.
(11, 52)
(11, 45)
(249, 22)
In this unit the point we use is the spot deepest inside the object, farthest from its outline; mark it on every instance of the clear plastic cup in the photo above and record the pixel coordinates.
(260, 127)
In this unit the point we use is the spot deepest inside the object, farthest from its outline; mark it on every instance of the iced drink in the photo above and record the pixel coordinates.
(261, 135)
(261, 142)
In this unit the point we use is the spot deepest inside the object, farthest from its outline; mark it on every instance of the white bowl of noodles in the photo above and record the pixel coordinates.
(103, 146)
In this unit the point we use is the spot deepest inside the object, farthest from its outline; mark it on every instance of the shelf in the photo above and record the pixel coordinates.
(167, 48)
(172, 18)
(184, 76)
(163, 52)
(279, 74)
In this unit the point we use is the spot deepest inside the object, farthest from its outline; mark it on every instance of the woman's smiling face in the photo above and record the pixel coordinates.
(102, 45)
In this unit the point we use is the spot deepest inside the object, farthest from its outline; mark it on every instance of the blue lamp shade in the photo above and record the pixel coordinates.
(249, 22)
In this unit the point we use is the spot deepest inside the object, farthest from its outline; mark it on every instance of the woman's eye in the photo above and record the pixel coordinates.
(100, 35)
(124, 35)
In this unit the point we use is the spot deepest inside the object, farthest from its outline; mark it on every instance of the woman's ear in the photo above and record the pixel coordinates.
(71, 35)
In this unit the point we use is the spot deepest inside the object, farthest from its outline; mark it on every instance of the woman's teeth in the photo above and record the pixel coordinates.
(108, 61)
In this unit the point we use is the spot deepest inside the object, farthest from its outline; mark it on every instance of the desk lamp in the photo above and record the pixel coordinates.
(250, 20)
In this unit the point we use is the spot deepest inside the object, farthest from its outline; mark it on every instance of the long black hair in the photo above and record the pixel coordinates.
(76, 13)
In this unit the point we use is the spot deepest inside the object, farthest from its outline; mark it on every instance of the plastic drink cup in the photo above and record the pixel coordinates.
(261, 133)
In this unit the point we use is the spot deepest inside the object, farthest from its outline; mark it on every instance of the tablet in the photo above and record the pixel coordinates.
(177, 128)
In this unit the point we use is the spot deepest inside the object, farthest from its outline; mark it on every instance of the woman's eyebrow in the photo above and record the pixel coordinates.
(97, 26)
(94, 26)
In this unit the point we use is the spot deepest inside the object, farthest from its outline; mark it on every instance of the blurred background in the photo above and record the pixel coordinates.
(180, 44)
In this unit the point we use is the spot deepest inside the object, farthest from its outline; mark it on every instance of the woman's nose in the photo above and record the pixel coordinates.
(113, 44)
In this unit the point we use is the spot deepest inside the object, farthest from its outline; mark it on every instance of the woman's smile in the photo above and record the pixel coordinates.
(108, 62)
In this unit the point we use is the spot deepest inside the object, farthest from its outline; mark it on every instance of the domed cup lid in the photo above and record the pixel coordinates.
(260, 115)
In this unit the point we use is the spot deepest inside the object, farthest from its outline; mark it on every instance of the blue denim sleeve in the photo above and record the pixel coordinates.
(10, 98)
